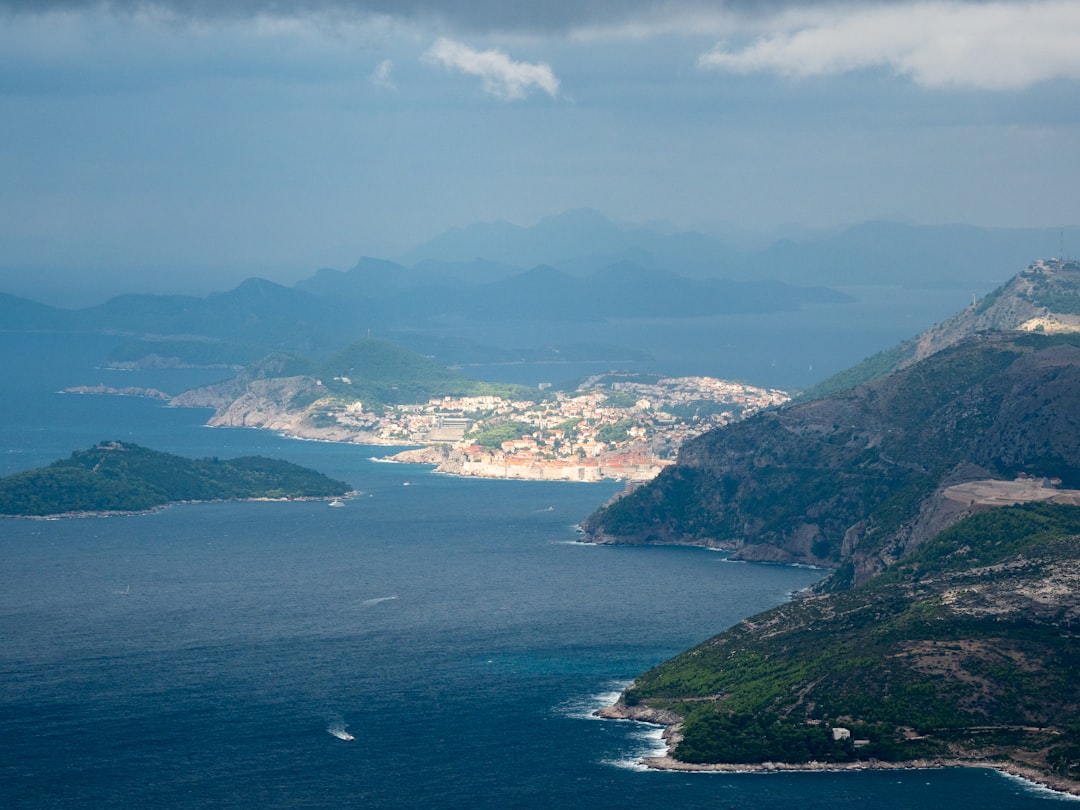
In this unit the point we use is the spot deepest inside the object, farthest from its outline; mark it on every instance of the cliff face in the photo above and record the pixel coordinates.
(858, 478)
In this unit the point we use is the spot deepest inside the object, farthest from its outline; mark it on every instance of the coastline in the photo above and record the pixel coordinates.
(447, 461)
(671, 723)
(107, 513)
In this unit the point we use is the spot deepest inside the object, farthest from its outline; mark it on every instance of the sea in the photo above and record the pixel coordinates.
(437, 642)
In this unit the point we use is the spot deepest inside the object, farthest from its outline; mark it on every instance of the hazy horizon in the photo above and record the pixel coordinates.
(173, 138)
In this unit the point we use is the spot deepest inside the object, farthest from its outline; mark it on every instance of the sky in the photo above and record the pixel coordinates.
(217, 139)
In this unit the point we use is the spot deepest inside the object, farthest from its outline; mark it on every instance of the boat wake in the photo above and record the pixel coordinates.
(377, 600)
(338, 730)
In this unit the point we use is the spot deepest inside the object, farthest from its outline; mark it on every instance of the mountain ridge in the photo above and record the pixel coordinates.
(945, 634)
(1042, 298)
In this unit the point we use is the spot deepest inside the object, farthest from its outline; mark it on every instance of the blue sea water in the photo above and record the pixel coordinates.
(205, 655)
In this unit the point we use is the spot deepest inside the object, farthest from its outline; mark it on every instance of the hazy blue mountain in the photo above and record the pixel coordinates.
(582, 238)
(257, 311)
(582, 241)
(370, 278)
(628, 290)
(572, 233)
(476, 271)
(140, 313)
(598, 273)
(23, 314)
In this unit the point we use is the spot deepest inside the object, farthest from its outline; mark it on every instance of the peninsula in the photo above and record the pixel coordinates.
(943, 490)
(615, 425)
(963, 653)
(117, 477)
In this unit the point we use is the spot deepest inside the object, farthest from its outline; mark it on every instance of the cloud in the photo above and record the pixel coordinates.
(551, 16)
(380, 77)
(990, 46)
(502, 77)
(617, 18)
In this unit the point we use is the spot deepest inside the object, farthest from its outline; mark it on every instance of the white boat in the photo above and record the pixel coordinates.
(340, 732)
(337, 504)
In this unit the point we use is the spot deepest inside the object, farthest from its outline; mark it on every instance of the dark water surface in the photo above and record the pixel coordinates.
(203, 655)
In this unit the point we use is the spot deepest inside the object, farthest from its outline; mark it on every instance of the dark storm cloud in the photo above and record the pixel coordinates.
(548, 16)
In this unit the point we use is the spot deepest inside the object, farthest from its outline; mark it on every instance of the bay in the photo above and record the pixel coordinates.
(204, 655)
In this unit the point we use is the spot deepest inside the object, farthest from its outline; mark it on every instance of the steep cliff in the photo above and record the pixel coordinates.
(856, 479)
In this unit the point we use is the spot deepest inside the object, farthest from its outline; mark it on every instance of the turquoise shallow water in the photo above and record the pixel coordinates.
(203, 656)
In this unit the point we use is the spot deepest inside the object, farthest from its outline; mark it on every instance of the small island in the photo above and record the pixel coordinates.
(118, 477)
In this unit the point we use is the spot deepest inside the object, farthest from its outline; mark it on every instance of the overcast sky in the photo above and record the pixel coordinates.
(278, 136)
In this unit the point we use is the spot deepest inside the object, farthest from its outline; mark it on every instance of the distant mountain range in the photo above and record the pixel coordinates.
(333, 308)
(503, 293)
(873, 253)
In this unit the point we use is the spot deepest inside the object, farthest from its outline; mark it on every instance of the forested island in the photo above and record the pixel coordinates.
(123, 477)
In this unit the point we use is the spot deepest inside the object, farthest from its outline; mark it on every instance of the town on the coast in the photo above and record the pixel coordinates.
(616, 425)
(607, 428)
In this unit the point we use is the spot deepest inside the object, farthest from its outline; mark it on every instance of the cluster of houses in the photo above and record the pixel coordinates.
(622, 429)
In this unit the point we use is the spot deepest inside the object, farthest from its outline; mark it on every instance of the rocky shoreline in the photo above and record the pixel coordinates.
(130, 391)
(672, 736)
(106, 513)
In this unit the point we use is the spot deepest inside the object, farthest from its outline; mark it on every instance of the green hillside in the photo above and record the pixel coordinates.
(123, 477)
(965, 649)
(378, 372)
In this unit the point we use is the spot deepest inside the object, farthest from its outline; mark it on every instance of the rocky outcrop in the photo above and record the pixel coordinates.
(1044, 299)
(639, 714)
(129, 391)
(1030, 301)
(267, 404)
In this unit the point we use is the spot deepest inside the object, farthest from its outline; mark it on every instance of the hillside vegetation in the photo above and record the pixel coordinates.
(964, 650)
(124, 477)
(854, 480)
(1043, 298)
(381, 373)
